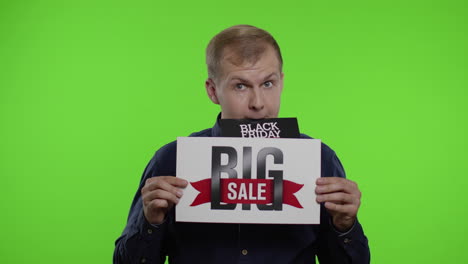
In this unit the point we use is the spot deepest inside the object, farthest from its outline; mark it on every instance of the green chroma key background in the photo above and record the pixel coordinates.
(90, 89)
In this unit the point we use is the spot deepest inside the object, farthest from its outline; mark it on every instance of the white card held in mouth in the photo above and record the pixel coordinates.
(248, 180)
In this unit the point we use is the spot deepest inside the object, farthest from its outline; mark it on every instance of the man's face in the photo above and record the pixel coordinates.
(250, 90)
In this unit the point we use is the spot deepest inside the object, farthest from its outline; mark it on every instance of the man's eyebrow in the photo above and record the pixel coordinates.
(270, 75)
(239, 79)
(246, 81)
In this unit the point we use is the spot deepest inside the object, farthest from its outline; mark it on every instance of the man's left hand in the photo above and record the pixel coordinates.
(342, 199)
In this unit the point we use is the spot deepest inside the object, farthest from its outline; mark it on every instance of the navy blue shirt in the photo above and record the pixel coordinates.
(142, 242)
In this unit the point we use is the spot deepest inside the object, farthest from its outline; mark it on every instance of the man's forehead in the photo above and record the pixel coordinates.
(266, 64)
(232, 55)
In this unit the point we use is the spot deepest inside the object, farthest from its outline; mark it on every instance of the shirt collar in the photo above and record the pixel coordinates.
(216, 131)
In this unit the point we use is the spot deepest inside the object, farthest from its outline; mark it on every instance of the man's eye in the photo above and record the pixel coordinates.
(240, 86)
(268, 84)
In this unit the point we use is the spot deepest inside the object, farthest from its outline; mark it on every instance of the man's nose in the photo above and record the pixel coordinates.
(257, 101)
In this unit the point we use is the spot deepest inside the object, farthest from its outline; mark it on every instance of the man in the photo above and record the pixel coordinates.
(246, 80)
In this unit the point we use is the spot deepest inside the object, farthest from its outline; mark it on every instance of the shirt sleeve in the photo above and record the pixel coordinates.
(140, 241)
(336, 247)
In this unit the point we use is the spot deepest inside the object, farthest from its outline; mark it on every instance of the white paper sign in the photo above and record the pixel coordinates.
(248, 180)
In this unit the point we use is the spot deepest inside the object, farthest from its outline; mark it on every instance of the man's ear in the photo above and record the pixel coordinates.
(211, 90)
(282, 81)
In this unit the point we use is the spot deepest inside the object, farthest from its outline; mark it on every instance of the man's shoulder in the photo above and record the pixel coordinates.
(166, 156)
(204, 133)
(171, 147)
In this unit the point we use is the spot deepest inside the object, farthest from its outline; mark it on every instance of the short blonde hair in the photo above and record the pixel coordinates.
(247, 42)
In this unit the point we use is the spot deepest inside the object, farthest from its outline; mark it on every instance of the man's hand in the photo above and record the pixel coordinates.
(159, 195)
(342, 199)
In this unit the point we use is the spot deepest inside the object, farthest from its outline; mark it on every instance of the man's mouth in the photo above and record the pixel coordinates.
(256, 118)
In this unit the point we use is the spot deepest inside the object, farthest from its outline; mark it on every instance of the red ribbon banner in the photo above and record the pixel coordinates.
(246, 191)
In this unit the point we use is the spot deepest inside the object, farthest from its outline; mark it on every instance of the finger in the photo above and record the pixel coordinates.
(337, 197)
(336, 185)
(160, 194)
(178, 182)
(160, 185)
(329, 180)
(171, 179)
(164, 183)
(151, 183)
(331, 188)
(346, 209)
(158, 204)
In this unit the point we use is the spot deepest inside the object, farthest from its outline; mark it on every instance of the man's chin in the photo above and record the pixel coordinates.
(248, 117)
(256, 118)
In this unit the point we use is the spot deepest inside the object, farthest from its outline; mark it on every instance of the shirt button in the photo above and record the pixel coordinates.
(244, 252)
(347, 240)
(150, 231)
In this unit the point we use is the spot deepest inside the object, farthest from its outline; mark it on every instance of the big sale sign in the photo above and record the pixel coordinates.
(248, 180)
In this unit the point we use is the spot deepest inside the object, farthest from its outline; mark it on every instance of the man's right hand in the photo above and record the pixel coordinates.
(159, 195)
